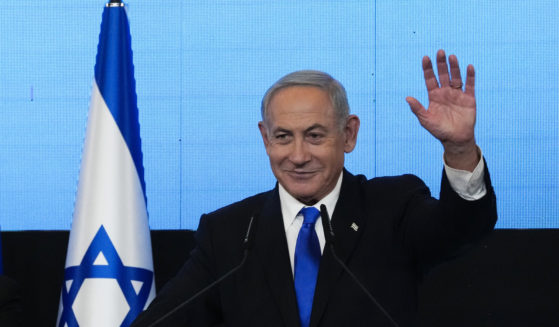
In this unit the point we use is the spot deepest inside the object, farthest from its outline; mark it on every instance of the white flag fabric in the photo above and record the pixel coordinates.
(108, 279)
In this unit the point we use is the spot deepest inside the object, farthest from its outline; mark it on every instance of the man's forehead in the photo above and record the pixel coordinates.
(297, 118)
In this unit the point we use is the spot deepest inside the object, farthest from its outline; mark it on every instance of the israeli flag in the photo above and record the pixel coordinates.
(108, 279)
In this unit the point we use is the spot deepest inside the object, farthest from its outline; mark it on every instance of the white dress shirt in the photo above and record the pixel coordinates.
(469, 185)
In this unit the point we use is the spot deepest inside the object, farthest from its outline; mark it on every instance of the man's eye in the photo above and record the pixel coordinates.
(282, 138)
(315, 136)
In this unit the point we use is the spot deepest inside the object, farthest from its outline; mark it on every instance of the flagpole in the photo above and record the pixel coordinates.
(114, 3)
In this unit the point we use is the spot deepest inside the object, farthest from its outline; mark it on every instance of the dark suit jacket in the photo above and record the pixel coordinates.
(402, 231)
(11, 312)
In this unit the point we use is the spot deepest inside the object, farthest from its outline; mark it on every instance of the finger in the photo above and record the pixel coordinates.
(416, 107)
(470, 80)
(429, 74)
(456, 81)
(442, 68)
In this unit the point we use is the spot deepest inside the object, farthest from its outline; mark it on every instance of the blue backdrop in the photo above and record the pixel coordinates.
(201, 69)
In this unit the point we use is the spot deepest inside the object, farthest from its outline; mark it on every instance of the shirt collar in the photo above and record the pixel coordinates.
(290, 206)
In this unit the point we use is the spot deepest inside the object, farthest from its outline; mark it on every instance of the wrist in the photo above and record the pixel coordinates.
(462, 156)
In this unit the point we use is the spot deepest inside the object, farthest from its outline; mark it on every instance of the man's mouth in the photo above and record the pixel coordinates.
(301, 173)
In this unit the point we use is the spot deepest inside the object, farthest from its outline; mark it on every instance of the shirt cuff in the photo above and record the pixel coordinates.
(468, 185)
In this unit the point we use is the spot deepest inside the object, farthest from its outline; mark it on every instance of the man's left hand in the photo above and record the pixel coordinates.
(451, 115)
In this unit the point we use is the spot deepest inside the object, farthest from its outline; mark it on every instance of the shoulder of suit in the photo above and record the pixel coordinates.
(385, 181)
(386, 185)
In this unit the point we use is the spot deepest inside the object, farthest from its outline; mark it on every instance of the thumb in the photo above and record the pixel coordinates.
(416, 107)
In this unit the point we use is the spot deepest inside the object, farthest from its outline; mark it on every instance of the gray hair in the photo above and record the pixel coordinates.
(315, 78)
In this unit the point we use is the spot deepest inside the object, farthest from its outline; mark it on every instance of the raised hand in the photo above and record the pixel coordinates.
(451, 114)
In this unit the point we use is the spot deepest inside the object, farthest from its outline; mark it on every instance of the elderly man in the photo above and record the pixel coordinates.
(388, 230)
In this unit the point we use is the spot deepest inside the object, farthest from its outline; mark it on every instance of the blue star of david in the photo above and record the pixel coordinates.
(115, 269)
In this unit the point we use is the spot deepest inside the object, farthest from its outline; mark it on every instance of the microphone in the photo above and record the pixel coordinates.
(247, 245)
(330, 237)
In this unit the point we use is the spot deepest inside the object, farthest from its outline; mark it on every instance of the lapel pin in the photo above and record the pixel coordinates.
(354, 226)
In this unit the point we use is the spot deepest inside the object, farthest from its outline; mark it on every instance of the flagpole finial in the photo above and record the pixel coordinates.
(115, 3)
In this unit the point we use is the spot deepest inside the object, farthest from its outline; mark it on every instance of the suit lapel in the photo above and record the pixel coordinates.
(271, 246)
(348, 222)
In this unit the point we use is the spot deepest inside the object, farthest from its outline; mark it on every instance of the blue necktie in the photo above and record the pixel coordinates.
(307, 260)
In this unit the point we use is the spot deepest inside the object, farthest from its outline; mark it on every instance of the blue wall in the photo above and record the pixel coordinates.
(201, 70)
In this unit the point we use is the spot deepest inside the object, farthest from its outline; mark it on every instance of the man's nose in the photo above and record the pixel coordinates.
(300, 153)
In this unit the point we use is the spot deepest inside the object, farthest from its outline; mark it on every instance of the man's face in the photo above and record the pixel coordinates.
(305, 142)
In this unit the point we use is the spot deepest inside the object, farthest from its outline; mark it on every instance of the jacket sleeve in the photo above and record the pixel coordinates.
(436, 230)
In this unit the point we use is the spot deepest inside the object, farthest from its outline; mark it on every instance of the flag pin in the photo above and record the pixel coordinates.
(354, 227)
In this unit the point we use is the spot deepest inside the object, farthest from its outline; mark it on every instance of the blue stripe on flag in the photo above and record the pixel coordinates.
(114, 74)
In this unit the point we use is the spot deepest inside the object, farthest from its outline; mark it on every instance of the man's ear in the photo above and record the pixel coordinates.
(350, 132)
(264, 133)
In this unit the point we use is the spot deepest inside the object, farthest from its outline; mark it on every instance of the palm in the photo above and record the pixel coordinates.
(451, 114)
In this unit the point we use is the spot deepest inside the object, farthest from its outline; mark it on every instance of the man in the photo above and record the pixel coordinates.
(388, 230)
